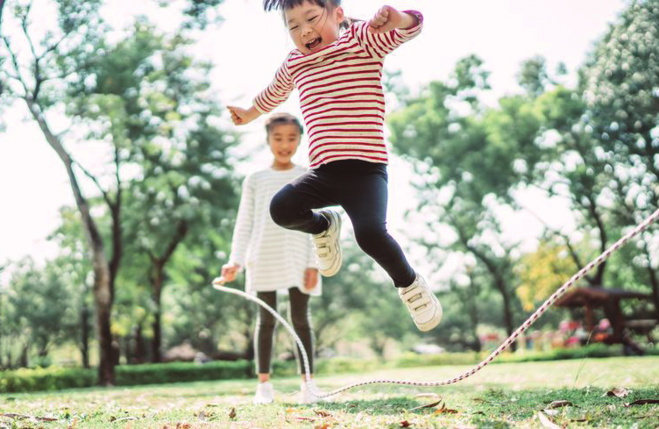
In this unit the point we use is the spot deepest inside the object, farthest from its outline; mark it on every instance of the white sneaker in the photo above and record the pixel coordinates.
(306, 397)
(328, 246)
(265, 393)
(422, 304)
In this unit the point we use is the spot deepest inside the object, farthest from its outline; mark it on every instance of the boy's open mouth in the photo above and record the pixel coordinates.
(313, 44)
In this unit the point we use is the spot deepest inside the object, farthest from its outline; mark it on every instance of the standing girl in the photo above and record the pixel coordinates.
(274, 258)
(339, 78)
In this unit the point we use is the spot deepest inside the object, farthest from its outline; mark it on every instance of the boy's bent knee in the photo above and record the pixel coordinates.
(280, 208)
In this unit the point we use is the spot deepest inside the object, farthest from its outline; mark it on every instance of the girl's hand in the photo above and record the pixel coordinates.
(310, 278)
(241, 116)
(388, 18)
(229, 272)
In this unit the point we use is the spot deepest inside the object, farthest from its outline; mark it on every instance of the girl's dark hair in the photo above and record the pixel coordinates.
(282, 119)
(284, 5)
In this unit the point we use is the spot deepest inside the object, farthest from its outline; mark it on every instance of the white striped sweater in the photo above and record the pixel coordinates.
(341, 94)
(274, 258)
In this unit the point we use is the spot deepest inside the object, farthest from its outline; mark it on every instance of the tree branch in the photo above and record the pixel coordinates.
(14, 61)
(106, 197)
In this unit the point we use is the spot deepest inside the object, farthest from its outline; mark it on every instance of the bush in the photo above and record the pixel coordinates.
(53, 378)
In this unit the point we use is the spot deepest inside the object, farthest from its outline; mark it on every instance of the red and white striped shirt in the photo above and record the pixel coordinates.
(341, 94)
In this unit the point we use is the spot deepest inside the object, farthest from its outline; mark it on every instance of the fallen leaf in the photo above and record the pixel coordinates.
(322, 413)
(323, 426)
(431, 405)
(405, 424)
(183, 425)
(232, 413)
(643, 402)
(559, 404)
(304, 419)
(444, 410)
(619, 392)
(546, 422)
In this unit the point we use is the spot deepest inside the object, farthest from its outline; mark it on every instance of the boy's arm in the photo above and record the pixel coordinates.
(275, 94)
(387, 30)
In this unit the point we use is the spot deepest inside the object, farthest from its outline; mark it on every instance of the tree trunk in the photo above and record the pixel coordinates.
(157, 284)
(507, 310)
(140, 346)
(156, 343)
(102, 292)
(84, 335)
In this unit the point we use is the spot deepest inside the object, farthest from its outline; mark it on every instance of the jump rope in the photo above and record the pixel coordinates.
(219, 285)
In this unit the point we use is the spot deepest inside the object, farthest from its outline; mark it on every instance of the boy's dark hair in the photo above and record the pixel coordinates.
(284, 5)
(282, 119)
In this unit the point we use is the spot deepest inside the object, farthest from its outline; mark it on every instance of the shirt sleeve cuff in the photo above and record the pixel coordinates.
(419, 21)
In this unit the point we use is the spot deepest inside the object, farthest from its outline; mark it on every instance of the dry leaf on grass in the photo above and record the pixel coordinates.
(643, 402)
(322, 413)
(405, 424)
(546, 422)
(431, 405)
(22, 416)
(559, 404)
(232, 413)
(183, 425)
(619, 392)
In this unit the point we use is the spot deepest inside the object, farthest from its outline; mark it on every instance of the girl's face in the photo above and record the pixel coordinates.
(284, 140)
(312, 27)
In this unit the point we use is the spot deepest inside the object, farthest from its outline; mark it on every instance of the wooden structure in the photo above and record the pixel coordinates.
(591, 298)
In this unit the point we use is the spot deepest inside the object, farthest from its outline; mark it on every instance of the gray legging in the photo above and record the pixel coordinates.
(265, 328)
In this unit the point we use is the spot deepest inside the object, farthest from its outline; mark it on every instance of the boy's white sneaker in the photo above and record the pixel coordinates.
(265, 393)
(422, 304)
(306, 397)
(328, 246)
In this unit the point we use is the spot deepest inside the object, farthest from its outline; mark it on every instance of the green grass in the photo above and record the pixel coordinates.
(500, 396)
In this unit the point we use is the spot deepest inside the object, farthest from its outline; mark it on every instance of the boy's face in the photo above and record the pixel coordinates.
(312, 27)
(284, 140)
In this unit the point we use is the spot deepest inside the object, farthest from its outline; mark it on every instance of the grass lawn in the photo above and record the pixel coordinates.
(500, 396)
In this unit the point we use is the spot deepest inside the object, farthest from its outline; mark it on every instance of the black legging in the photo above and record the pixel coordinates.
(265, 328)
(359, 187)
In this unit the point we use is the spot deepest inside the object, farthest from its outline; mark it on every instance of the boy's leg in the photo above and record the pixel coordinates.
(291, 207)
(364, 199)
(301, 318)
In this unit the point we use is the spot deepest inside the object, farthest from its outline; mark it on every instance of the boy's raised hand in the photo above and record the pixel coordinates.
(388, 18)
(241, 116)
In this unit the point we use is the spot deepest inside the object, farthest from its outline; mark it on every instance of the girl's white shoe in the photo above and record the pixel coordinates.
(265, 393)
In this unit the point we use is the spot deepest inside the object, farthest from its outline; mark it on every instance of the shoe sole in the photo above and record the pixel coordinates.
(432, 323)
(336, 219)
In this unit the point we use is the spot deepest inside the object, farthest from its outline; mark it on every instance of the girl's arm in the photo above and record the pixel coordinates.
(242, 232)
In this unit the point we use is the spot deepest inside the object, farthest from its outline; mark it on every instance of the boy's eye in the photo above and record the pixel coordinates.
(293, 28)
(312, 19)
